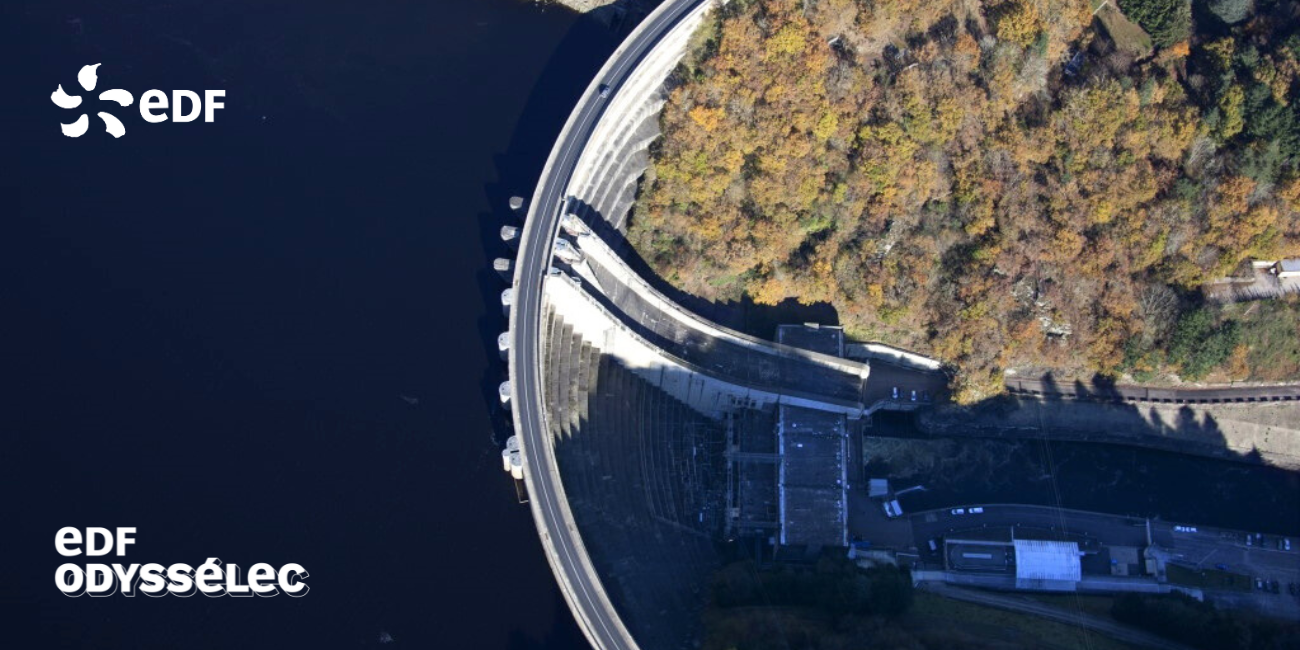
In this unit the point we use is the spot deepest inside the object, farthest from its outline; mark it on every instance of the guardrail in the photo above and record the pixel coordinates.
(1242, 395)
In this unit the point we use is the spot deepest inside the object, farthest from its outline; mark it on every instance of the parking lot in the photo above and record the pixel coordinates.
(1273, 571)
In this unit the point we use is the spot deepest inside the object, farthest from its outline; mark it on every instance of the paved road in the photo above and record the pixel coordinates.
(565, 551)
(1205, 548)
(1112, 530)
(1021, 604)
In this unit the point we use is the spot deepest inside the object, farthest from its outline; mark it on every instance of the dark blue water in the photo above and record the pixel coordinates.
(208, 328)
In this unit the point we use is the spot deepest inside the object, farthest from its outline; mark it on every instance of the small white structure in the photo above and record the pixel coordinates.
(567, 252)
(572, 224)
(512, 459)
(1047, 565)
(507, 296)
(893, 509)
(1287, 269)
(503, 341)
(504, 392)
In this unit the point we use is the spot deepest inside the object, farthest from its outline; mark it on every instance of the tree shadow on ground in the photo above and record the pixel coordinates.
(1093, 411)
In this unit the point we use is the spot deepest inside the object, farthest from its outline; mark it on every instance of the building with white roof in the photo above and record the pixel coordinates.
(1047, 565)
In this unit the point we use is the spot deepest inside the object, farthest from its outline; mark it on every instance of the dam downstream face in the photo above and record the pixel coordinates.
(215, 328)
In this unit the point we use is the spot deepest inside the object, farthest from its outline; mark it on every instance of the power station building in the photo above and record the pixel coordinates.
(790, 464)
(1034, 564)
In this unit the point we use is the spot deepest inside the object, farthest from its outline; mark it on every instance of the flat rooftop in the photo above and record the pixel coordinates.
(814, 338)
(977, 555)
(812, 488)
(1047, 560)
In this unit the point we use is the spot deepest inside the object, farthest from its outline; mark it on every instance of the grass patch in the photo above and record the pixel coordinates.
(1127, 35)
(1098, 606)
(1207, 578)
(1270, 330)
(978, 624)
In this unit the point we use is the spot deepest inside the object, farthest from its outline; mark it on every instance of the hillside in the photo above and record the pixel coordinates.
(997, 184)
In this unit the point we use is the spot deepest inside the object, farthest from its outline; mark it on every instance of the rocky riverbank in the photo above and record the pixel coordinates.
(633, 8)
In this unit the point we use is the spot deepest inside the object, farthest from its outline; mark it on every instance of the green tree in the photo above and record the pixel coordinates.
(1167, 21)
(1230, 11)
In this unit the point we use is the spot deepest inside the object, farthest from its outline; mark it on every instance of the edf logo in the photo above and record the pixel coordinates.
(153, 105)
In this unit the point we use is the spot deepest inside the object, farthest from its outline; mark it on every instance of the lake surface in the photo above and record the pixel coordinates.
(214, 332)
(212, 329)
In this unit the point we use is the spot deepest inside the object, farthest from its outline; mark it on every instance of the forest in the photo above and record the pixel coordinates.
(1018, 184)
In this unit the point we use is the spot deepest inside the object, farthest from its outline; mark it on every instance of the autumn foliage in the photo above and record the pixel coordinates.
(930, 168)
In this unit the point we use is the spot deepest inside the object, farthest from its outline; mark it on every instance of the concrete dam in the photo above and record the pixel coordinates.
(646, 434)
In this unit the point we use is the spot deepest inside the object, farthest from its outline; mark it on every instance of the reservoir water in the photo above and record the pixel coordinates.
(272, 338)
(211, 328)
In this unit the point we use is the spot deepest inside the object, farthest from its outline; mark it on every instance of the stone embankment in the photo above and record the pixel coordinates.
(629, 7)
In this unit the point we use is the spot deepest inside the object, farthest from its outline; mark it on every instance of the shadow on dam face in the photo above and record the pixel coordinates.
(572, 66)
(742, 315)
(1082, 412)
(1119, 479)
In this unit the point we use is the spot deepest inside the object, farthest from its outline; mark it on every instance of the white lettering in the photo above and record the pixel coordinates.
(70, 580)
(91, 549)
(67, 535)
(210, 571)
(180, 578)
(210, 97)
(154, 584)
(177, 96)
(296, 589)
(127, 578)
(259, 573)
(150, 100)
(124, 538)
(99, 581)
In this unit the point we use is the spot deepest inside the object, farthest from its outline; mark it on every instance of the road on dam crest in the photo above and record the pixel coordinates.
(566, 553)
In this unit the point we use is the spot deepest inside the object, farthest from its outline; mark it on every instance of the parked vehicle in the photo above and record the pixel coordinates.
(1259, 583)
(958, 511)
(893, 509)
(977, 510)
(913, 396)
(934, 545)
(896, 392)
(1284, 544)
(1221, 567)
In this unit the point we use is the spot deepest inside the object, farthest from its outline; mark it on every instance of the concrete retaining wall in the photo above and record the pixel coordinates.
(882, 352)
(707, 395)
